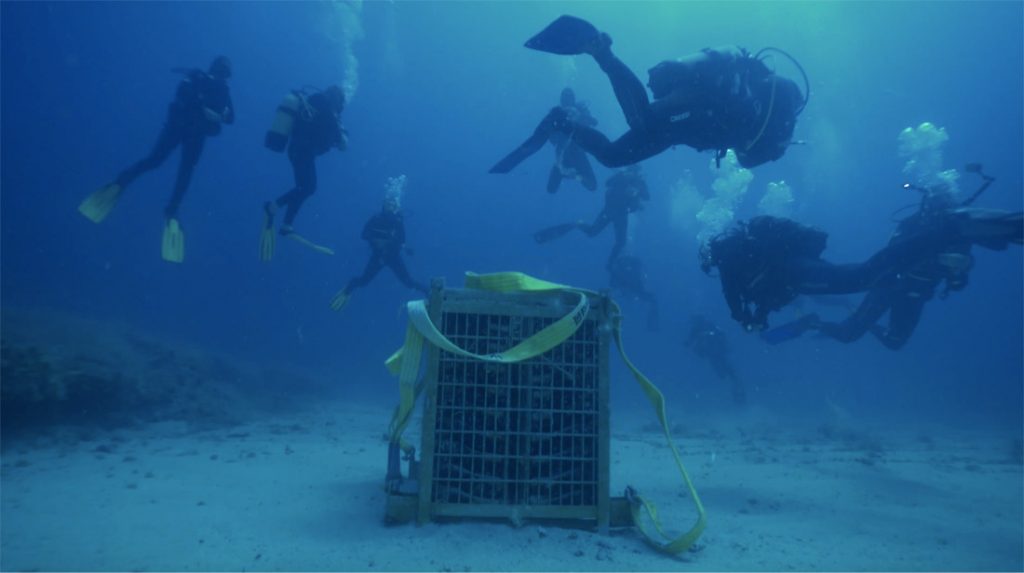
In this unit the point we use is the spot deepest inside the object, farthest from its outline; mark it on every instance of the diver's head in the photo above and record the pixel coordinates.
(706, 256)
(938, 198)
(220, 68)
(391, 204)
(336, 98)
(568, 97)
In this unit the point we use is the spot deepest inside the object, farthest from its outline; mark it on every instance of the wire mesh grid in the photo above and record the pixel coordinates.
(515, 434)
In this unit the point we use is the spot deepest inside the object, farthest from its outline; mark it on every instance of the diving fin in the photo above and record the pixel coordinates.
(519, 154)
(567, 36)
(340, 300)
(307, 243)
(267, 237)
(551, 233)
(173, 247)
(790, 330)
(97, 206)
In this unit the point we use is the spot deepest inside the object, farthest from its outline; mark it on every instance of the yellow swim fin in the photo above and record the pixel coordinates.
(267, 239)
(173, 247)
(339, 301)
(307, 243)
(97, 206)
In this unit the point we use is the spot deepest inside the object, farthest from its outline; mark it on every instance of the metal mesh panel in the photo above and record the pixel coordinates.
(516, 434)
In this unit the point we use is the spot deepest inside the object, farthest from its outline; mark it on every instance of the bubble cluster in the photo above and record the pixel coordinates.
(921, 146)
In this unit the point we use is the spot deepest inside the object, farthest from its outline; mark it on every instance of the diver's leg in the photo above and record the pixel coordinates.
(597, 226)
(304, 167)
(576, 159)
(629, 91)
(527, 148)
(554, 179)
(191, 149)
(723, 368)
(169, 138)
(398, 267)
(874, 305)
(373, 266)
(621, 225)
(586, 173)
(633, 147)
(990, 228)
(903, 320)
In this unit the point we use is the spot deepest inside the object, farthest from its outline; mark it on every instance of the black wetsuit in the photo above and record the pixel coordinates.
(188, 126)
(385, 232)
(708, 342)
(769, 261)
(624, 194)
(718, 99)
(904, 294)
(570, 161)
(625, 191)
(317, 130)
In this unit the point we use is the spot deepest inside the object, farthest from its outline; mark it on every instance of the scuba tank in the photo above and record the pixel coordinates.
(284, 120)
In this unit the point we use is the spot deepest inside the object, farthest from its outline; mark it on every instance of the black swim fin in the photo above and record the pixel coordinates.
(790, 330)
(552, 233)
(528, 148)
(568, 36)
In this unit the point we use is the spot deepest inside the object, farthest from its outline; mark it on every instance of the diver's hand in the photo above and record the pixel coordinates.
(754, 326)
(212, 116)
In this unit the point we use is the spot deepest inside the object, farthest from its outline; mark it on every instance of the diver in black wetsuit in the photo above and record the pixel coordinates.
(717, 99)
(625, 193)
(570, 161)
(766, 263)
(315, 129)
(626, 274)
(708, 341)
(904, 294)
(385, 232)
(201, 105)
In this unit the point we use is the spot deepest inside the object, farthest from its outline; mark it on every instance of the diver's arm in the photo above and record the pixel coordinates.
(228, 115)
(367, 227)
(734, 298)
(342, 144)
(400, 232)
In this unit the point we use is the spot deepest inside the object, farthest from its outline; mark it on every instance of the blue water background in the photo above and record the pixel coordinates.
(446, 89)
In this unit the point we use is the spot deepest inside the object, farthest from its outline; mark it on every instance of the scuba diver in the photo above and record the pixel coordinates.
(707, 341)
(626, 274)
(625, 193)
(767, 262)
(308, 125)
(201, 105)
(717, 99)
(904, 294)
(570, 161)
(385, 232)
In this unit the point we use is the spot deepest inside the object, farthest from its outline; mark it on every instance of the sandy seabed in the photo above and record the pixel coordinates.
(304, 492)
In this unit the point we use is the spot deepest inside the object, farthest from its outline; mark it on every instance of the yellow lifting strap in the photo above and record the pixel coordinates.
(405, 364)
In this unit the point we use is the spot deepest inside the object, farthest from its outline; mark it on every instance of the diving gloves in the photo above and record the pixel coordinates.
(340, 300)
(172, 248)
(97, 206)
